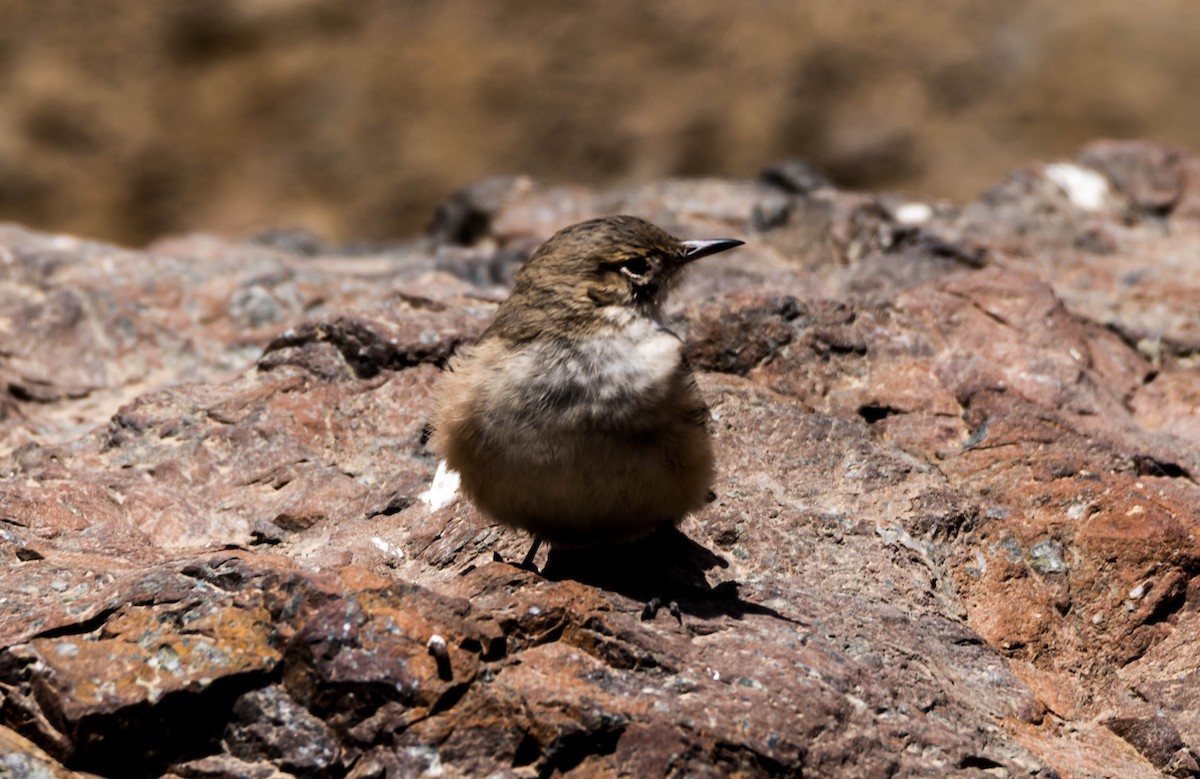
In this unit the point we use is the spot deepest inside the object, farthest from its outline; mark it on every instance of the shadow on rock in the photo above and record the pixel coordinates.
(666, 565)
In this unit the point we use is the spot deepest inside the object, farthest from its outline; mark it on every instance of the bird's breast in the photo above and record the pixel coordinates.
(611, 377)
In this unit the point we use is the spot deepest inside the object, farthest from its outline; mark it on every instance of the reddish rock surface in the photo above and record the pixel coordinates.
(954, 533)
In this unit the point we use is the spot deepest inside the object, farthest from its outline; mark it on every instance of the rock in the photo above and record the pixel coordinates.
(20, 757)
(1156, 738)
(268, 724)
(954, 530)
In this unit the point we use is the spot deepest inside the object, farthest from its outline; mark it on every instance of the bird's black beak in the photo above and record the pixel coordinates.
(694, 250)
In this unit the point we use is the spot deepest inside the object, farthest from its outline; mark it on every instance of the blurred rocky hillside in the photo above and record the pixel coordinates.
(126, 121)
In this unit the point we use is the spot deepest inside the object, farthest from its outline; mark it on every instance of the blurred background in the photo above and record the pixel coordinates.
(127, 120)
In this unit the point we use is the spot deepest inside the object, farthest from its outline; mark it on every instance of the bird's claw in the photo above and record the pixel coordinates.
(655, 604)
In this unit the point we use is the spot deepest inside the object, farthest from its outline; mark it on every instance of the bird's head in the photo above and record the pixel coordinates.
(586, 272)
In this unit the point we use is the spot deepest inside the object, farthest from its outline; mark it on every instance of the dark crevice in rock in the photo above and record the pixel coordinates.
(740, 760)
(1173, 595)
(527, 752)
(925, 243)
(230, 580)
(570, 749)
(872, 413)
(457, 221)
(839, 342)
(450, 697)
(537, 632)
(24, 395)
(1158, 348)
(146, 739)
(1152, 466)
(45, 393)
(1129, 338)
(984, 310)
(19, 392)
(394, 506)
(980, 762)
(88, 625)
(265, 533)
(363, 346)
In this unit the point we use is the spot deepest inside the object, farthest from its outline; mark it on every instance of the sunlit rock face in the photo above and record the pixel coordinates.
(954, 530)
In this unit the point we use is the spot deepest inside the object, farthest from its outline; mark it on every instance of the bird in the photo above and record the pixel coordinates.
(575, 416)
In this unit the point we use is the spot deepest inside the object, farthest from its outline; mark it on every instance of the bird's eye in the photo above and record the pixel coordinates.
(635, 267)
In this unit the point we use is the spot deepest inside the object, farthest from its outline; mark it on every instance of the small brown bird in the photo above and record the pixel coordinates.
(575, 417)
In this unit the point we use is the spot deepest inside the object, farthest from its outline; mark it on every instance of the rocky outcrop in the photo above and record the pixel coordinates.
(954, 532)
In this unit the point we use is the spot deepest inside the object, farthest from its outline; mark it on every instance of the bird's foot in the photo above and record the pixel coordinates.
(527, 564)
(655, 604)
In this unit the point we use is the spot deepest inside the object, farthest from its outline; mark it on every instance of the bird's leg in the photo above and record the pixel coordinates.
(527, 563)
